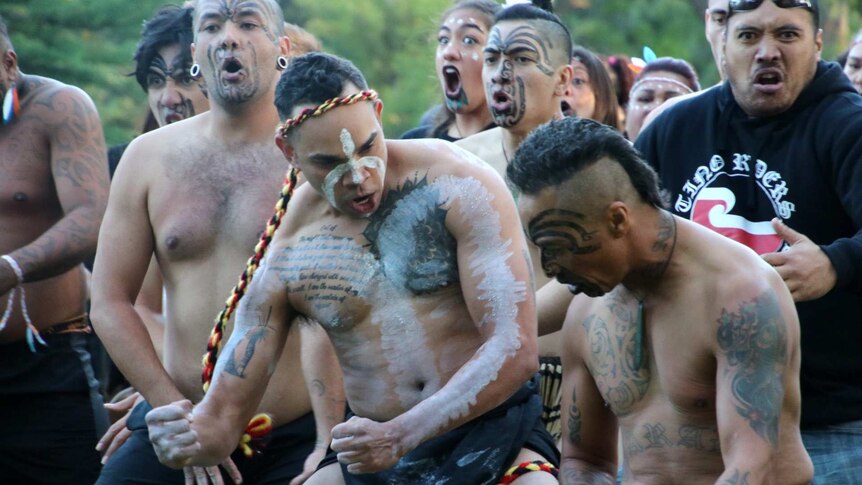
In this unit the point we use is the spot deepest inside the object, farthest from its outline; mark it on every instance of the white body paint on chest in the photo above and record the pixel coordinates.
(498, 288)
(351, 165)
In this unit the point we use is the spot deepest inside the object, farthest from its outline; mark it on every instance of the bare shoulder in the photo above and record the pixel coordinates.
(439, 158)
(58, 102)
(580, 309)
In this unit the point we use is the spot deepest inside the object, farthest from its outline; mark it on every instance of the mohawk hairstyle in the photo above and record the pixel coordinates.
(559, 34)
(557, 151)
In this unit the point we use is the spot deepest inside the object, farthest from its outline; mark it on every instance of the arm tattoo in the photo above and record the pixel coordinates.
(754, 342)
(574, 421)
(738, 478)
(580, 477)
(318, 387)
(237, 365)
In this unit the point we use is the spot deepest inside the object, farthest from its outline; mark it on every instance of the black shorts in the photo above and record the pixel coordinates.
(474, 453)
(282, 458)
(51, 413)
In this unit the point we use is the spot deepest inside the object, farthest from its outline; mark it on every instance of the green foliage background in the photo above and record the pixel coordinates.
(89, 43)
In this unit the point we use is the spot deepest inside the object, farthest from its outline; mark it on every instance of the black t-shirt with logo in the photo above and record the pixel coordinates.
(733, 174)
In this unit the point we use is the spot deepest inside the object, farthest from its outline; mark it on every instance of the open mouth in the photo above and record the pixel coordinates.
(231, 66)
(567, 109)
(501, 102)
(768, 80)
(363, 204)
(452, 79)
(173, 117)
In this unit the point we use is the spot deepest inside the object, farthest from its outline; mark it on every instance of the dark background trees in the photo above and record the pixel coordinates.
(89, 43)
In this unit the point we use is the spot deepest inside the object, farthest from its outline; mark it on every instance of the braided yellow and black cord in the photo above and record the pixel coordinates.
(261, 424)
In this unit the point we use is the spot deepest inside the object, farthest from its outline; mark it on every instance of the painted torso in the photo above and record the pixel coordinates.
(387, 290)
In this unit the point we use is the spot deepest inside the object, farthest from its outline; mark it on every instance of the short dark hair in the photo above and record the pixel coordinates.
(674, 65)
(524, 11)
(171, 24)
(556, 151)
(313, 78)
(814, 10)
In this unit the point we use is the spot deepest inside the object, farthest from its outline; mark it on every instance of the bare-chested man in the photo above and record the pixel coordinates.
(196, 194)
(526, 73)
(690, 343)
(53, 191)
(405, 252)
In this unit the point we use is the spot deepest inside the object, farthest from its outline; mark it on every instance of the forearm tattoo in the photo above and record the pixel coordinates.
(754, 342)
(237, 364)
(574, 421)
(738, 478)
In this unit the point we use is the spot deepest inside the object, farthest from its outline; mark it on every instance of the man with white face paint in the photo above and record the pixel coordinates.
(771, 160)
(403, 252)
(196, 193)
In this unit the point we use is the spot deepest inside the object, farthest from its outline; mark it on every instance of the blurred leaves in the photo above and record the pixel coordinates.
(89, 43)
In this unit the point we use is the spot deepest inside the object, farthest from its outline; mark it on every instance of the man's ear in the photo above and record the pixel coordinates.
(284, 46)
(818, 41)
(618, 219)
(378, 110)
(286, 149)
(564, 79)
(10, 62)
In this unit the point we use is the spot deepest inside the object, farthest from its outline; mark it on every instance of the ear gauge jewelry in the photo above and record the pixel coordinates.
(10, 104)
(281, 63)
(195, 70)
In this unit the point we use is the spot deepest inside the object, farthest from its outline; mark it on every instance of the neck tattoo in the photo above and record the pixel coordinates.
(639, 331)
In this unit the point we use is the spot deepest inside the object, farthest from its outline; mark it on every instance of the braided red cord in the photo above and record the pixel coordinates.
(367, 95)
(260, 426)
(528, 466)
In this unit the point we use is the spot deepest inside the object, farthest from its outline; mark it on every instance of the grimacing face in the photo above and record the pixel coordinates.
(236, 45)
(172, 93)
(770, 55)
(572, 246)
(520, 80)
(342, 154)
(460, 40)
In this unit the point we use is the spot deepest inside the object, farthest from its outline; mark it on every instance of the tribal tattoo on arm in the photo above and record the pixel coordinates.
(754, 343)
(237, 364)
(574, 421)
(738, 478)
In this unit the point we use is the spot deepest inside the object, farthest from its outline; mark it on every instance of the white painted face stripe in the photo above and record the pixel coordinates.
(351, 165)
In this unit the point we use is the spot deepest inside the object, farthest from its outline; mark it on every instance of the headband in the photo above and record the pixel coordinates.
(660, 79)
(290, 123)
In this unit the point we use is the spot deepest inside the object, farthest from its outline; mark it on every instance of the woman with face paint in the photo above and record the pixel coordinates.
(660, 80)
(461, 36)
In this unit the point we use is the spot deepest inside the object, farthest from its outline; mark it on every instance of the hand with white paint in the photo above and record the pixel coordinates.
(804, 267)
(367, 446)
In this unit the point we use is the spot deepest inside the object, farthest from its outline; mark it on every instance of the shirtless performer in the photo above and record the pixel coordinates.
(197, 193)
(526, 74)
(690, 343)
(403, 251)
(53, 191)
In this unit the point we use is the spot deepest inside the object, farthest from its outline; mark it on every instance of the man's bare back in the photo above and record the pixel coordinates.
(51, 169)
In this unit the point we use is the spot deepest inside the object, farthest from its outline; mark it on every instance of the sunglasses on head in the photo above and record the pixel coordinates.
(742, 5)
